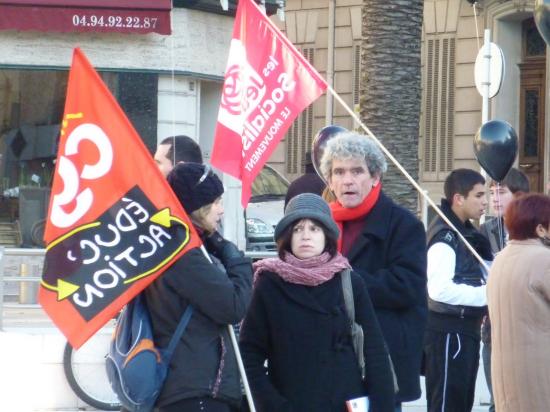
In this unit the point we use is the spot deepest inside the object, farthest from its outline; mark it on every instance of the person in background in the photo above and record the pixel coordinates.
(518, 293)
(457, 296)
(297, 322)
(386, 245)
(175, 149)
(310, 182)
(500, 194)
(203, 373)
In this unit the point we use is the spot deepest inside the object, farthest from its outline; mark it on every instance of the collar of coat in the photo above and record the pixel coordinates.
(300, 294)
(377, 224)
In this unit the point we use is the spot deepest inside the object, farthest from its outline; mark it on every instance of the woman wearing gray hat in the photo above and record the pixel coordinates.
(298, 322)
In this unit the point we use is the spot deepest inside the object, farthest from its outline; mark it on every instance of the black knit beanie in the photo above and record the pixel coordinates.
(195, 185)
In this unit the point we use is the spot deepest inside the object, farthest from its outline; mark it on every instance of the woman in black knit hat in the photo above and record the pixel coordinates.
(203, 373)
(299, 322)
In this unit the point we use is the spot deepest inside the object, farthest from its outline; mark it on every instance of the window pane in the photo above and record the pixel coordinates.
(531, 138)
(534, 44)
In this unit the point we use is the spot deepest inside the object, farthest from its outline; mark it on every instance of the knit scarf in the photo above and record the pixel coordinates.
(309, 272)
(342, 214)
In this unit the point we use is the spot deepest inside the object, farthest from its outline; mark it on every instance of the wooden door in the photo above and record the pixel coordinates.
(532, 104)
(531, 133)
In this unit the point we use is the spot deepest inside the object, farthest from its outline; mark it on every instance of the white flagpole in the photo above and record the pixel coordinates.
(237, 354)
(407, 175)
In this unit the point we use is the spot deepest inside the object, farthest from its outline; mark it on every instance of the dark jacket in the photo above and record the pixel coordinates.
(204, 362)
(467, 269)
(304, 333)
(307, 183)
(390, 255)
(494, 230)
(445, 317)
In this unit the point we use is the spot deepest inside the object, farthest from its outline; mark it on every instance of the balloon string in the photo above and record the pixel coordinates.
(500, 219)
(407, 175)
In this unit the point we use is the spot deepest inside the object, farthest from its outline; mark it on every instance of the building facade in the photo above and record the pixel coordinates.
(453, 32)
(166, 83)
(330, 38)
(162, 60)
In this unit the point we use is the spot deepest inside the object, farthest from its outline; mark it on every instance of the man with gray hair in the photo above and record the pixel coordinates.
(386, 245)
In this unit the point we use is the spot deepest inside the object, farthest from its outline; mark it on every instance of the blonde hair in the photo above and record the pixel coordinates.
(199, 217)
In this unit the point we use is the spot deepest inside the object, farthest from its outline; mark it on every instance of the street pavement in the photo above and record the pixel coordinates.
(34, 354)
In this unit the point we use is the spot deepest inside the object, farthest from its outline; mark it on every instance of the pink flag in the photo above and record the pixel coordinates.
(268, 83)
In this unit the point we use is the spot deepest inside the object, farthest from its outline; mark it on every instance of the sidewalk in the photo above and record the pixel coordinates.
(32, 377)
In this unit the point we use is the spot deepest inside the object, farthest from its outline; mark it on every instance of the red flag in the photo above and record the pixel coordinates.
(113, 223)
(268, 83)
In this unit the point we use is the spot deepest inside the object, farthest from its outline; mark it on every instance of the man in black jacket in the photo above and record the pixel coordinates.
(457, 298)
(385, 244)
(309, 182)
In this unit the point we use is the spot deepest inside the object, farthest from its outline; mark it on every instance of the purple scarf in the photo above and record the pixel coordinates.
(309, 272)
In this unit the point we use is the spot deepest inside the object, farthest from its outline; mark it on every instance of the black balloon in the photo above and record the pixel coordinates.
(496, 148)
(542, 19)
(319, 143)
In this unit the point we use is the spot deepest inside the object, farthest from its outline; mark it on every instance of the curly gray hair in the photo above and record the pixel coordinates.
(351, 145)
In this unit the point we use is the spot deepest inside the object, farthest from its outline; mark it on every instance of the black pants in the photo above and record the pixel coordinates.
(451, 361)
(197, 405)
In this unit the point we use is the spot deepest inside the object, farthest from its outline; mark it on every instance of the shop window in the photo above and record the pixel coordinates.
(31, 107)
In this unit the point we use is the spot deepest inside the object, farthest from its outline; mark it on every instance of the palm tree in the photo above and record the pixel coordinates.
(391, 86)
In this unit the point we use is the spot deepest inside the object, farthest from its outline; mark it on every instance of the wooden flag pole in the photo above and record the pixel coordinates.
(237, 354)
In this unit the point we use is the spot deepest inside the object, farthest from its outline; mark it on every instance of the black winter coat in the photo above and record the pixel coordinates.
(390, 254)
(204, 362)
(304, 333)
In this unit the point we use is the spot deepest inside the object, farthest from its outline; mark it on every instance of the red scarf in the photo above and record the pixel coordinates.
(341, 214)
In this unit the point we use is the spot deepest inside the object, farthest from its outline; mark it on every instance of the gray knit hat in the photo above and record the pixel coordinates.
(307, 206)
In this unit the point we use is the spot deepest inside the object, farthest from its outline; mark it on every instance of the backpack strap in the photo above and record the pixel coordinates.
(178, 332)
(356, 330)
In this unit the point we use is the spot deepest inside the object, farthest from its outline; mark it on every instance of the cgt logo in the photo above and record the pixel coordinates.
(243, 89)
(72, 177)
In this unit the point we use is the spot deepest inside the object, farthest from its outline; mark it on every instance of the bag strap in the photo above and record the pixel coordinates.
(178, 332)
(355, 329)
(348, 294)
(350, 309)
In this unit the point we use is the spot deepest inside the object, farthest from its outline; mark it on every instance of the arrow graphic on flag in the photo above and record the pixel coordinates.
(162, 218)
(64, 289)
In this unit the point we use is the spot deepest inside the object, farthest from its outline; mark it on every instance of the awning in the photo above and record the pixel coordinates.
(120, 16)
